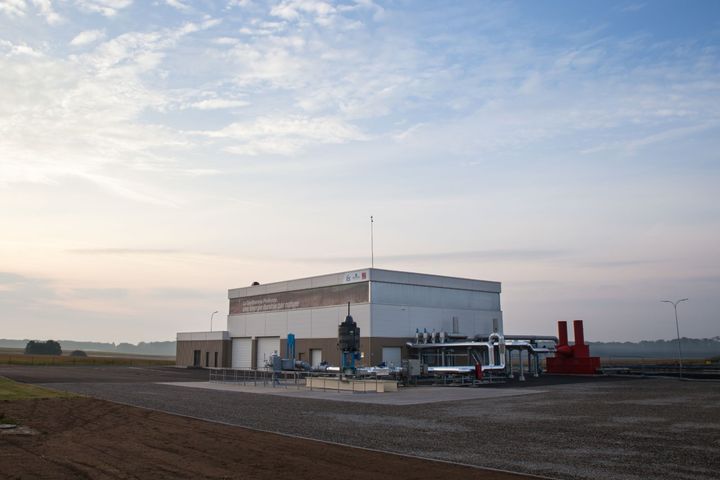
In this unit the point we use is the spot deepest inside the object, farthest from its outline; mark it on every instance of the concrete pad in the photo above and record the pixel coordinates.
(405, 396)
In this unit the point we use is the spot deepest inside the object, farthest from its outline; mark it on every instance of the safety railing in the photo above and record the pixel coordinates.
(299, 380)
(262, 378)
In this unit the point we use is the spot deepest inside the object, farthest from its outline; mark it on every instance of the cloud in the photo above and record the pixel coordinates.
(124, 251)
(99, 293)
(464, 256)
(10, 278)
(14, 8)
(178, 5)
(713, 279)
(19, 49)
(130, 190)
(218, 104)
(633, 7)
(19, 8)
(238, 3)
(108, 8)
(630, 146)
(80, 116)
(86, 37)
(284, 135)
(619, 263)
(18, 290)
(322, 12)
(179, 293)
(47, 11)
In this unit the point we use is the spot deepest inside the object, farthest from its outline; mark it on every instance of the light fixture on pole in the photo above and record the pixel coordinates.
(211, 317)
(677, 328)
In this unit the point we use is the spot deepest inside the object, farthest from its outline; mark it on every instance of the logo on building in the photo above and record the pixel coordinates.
(355, 277)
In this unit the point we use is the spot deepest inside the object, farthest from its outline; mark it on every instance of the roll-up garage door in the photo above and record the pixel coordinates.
(266, 346)
(241, 353)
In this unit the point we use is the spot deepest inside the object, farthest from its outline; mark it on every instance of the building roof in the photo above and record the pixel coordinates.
(364, 275)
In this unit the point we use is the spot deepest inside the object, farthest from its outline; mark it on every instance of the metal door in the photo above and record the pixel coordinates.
(392, 356)
(315, 357)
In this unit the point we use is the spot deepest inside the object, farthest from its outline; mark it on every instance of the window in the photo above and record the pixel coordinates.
(216, 359)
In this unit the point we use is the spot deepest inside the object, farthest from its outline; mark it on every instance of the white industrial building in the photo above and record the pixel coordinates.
(388, 306)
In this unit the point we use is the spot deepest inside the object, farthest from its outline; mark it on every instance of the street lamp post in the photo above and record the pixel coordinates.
(677, 328)
(211, 317)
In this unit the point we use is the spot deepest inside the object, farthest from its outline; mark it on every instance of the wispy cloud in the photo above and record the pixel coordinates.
(124, 251)
(108, 8)
(219, 104)
(284, 135)
(613, 263)
(79, 116)
(178, 5)
(86, 37)
(633, 7)
(464, 256)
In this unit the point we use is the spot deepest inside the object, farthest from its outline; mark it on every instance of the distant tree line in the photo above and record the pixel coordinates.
(691, 348)
(36, 347)
(142, 348)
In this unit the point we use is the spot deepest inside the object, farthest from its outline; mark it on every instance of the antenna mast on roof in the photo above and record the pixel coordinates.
(372, 249)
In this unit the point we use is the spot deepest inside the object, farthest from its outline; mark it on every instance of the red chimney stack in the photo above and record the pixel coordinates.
(572, 359)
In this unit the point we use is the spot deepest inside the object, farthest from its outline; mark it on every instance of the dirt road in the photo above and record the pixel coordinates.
(90, 438)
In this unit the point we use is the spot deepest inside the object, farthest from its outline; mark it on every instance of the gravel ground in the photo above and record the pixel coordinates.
(86, 438)
(630, 429)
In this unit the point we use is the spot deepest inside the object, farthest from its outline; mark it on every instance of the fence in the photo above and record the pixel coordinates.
(263, 378)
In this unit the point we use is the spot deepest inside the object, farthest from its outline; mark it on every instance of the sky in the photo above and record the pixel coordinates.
(154, 154)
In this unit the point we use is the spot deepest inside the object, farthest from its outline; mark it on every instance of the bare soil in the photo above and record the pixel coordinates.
(89, 438)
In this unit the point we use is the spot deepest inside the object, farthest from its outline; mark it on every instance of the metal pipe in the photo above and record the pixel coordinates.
(491, 352)
(501, 346)
(510, 365)
(531, 338)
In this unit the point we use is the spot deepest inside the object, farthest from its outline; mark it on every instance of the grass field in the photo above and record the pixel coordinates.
(611, 361)
(10, 390)
(17, 357)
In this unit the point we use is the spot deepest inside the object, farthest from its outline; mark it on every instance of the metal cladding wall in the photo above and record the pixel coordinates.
(397, 302)
(304, 323)
(403, 302)
(401, 310)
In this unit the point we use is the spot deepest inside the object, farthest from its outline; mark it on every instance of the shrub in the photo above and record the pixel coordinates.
(78, 353)
(36, 347)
